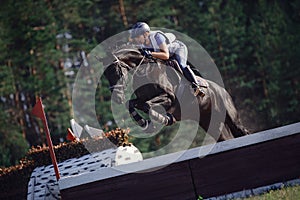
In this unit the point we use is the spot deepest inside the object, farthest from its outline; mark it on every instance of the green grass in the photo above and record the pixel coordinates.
(288, 193)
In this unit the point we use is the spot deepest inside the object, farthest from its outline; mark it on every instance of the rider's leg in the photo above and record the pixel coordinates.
(181, 57)
(190, 76)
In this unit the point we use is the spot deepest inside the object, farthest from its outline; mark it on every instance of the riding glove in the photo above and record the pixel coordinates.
(146, 53)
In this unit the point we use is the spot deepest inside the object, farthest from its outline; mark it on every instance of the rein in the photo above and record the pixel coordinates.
(139, 65)
(122, 64)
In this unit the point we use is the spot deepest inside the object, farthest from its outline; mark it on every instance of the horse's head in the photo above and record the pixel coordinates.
(116, 75)
(117, 72)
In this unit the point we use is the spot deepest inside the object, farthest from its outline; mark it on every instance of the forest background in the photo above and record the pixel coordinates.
(255, 45)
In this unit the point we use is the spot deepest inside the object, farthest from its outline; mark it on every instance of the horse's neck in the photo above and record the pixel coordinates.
(133, 62)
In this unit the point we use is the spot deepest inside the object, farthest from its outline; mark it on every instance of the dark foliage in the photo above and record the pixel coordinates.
(14, 180)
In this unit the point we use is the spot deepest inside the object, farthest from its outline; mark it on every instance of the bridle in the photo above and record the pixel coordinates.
(121, 65)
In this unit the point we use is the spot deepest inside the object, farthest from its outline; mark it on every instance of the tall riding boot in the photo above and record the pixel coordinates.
(190, 76)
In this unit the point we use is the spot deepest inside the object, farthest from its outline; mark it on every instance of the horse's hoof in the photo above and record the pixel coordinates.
(171, 120)
(149, 127)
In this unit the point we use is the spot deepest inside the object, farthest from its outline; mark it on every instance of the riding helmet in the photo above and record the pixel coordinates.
(139, 29)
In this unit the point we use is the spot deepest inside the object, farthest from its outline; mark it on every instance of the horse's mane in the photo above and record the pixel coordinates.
(126, 50)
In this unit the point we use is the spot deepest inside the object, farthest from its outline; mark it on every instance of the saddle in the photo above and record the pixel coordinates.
(174, 64)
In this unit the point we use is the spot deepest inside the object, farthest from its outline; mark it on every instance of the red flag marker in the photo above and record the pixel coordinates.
(71, 136)
(38, 111)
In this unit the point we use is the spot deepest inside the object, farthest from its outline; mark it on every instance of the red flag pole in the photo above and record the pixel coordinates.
(38, 111)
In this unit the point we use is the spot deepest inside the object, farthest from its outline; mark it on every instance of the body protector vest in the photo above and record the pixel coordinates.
(170, 37)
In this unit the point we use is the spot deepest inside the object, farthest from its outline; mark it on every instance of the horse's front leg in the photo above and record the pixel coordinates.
(156, 109)
(146, 125)
(150, 108)
(131, 105)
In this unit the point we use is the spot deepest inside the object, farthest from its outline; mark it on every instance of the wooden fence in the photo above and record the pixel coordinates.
(252, 161)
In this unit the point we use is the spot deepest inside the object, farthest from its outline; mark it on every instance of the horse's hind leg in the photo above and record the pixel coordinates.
(235, 126)
(217, 129)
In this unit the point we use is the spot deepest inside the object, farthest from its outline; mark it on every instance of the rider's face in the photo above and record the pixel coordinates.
(140, 39)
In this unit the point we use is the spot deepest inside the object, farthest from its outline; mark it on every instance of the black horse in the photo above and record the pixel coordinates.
(163, 94)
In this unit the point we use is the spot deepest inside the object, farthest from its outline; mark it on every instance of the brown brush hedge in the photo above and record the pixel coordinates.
(14, 179)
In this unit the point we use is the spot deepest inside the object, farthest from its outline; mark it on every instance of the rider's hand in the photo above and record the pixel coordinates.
(146, 53)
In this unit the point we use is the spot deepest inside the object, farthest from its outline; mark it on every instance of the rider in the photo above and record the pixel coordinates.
(164, 46)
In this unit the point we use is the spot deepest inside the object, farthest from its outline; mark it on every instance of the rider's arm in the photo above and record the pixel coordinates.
(164, 51)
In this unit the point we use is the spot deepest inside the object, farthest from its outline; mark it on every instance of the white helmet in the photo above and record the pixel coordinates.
(139, 29)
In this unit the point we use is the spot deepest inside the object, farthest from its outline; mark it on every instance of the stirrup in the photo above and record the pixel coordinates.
(198, 91)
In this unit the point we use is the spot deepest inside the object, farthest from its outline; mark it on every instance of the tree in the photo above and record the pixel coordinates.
(43, 44)
(32, 60)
